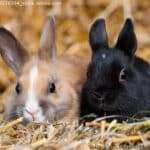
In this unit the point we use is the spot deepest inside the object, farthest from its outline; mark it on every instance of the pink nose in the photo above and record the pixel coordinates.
(32, 112)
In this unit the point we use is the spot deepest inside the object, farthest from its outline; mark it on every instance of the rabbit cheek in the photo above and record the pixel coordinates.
(57, 109)
(47, 108)
(63, 105)
(15, 112)
(62, 110)
(56, 113)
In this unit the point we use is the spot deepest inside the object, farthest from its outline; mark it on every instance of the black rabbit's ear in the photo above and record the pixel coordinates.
(98, 36)
(127, 41)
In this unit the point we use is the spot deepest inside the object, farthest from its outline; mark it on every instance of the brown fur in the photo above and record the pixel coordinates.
(68, 73)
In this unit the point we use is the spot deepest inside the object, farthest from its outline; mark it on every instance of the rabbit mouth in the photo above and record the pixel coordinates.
(98, 98)
(101, 100)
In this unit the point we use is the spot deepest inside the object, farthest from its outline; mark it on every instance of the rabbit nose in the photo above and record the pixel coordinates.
(101, 98)
(101, 94)
(32, 112)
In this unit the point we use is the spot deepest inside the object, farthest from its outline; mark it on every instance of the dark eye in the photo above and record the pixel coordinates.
(18, 88)
(123, 75)
(51, 88)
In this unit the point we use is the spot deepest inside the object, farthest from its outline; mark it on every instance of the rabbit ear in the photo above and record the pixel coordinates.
(47, 49)
(98, 35)
(12, 51)
(127, 41)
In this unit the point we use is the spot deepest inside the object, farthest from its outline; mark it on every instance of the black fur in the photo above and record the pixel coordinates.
(103, 92)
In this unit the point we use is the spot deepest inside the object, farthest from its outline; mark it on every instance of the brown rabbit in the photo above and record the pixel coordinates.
(48, 86)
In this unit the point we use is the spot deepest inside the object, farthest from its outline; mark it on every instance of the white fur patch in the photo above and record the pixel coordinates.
(32, 101)
(103, 55)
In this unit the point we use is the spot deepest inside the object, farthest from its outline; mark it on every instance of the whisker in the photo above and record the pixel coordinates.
(136, 98)
(128, 96)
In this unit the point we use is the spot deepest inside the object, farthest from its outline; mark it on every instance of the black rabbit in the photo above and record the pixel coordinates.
(118, 82)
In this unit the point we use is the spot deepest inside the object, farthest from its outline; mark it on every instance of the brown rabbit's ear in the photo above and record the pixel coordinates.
(12, 52)
(47, 49)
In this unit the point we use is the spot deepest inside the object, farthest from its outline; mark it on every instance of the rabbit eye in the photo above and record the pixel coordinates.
(51, 88)
(18, 88)
(123, 75)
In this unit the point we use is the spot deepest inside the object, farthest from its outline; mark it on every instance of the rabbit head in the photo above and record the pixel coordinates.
(48, 86)
(111, 75)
